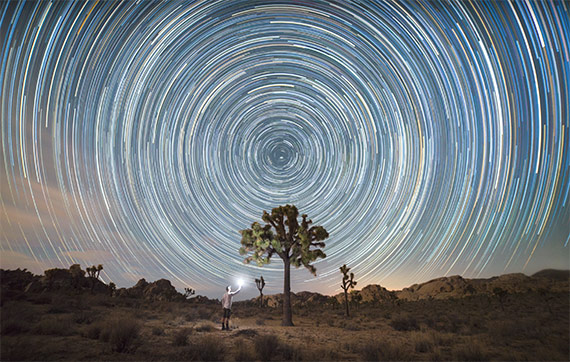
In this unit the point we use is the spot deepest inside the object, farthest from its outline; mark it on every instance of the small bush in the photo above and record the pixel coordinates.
(266, 346)
(93, 331)
(12, 326)
(54, 326)
(122, 334)
(352, 326)
(405, 323)
(289, 352)
(83, 317)
(180, 337)
(40, 299)
(382, 351)
(157, 331)
(204, 313)
(260, 322)
(243, 351)
(422, 342)
(471, 351)
(210, 348)
(206, 327)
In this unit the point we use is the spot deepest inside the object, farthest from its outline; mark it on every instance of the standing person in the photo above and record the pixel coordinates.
(227, 305)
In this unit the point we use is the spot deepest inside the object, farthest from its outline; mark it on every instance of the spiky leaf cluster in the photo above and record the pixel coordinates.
(347, 280)
(260, 283)
(298, 244)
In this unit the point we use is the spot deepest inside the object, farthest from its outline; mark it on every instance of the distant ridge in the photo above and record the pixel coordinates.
(547, 280)
(444, 288)
(553, 274)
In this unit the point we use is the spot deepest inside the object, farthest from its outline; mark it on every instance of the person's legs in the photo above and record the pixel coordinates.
(228, 314)
(224, 320)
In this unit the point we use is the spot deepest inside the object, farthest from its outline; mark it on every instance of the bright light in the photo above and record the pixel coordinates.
(240, 282)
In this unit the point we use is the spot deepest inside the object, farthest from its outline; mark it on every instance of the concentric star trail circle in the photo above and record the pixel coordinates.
(428, 138)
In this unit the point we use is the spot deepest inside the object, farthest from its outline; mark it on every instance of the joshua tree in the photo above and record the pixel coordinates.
(290, 240)
(94, 271)
(260, 283)
(347, 283)
(188, 292)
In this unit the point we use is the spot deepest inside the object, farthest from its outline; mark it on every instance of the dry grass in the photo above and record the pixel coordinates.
(243, 351)
(122, 334)
(384, 351)
(266, 346)
(439, 330)
(180, 337)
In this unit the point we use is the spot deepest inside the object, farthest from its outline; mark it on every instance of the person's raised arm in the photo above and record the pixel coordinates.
(237, 291)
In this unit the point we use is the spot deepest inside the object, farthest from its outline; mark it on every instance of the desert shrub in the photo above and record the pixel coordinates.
(83, 317)
(516, 329)
(205, 327)
(266, 346)
(290, 352)
(318, 354)
(260, 322)
(352, 326)
(422, 342)
(60, 326)
(436, 355)
(40, 299)
(210, 348)
(18, 349)
(243, 351)
(93, 331)
(204, 313)
(470, 351)
(440, 339)
(57, 309)
(180, 337)
(383, 351)
(13, 326)
(122, 334)
(157, 331)
(188, 317)
(405, 323)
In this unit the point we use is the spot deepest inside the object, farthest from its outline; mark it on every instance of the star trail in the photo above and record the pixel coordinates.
(428, 138)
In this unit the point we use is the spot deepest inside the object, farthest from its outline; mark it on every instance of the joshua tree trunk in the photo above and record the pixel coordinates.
(346, 301)
(287, 317)
(261, 300)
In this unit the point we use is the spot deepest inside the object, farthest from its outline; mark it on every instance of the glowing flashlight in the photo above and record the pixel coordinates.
(240, 282)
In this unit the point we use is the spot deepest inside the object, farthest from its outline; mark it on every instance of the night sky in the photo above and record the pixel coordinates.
(428, 138)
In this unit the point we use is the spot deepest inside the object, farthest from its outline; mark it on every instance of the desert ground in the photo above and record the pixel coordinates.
(82, 324)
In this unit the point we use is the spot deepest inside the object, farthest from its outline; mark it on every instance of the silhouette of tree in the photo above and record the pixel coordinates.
(94, 271)
(291, 241)
(260, 283)
(347, 283)
(189, 292)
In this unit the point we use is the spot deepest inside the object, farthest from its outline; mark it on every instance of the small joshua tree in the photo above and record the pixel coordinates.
(260, 283)
(347, 283)
(188, 292)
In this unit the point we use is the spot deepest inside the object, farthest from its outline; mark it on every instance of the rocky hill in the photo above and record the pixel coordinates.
(57, 279)
(458, 287)
(439, 288)
(160, 290)
(74, 280)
